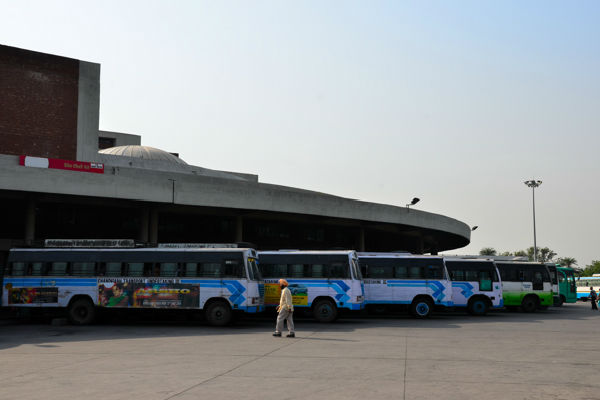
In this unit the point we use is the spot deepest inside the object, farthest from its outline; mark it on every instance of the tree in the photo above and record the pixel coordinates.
(593, 268)
(487, 251)
(544, 254)
(520, 253)
(567, 261)
(506, 254)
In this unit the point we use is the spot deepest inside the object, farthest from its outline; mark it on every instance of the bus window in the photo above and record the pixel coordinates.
(233, 269)
(83, 268)
(537, 280)
(113, 269)
(191, 269)
(58, 269)
(17, 269)
(168, 269)
(297, 271)
(317, 271)
(485, 281)
(400, 272)
(415, 273)
(336, 270)
(434, 272)
(382, 272)
(210, 270)
(135, 269)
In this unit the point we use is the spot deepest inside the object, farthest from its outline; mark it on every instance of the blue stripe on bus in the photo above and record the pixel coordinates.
(467, 288)
(438, 293)
(339, 286)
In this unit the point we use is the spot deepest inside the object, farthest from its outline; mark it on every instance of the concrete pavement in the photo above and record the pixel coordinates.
(547, 355)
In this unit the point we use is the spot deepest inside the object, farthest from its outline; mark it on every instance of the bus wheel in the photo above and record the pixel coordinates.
(81, 312)
(560, 301)
(218, 313)
(324, 310)
(421, 308)
(529, 304)
(478, 306)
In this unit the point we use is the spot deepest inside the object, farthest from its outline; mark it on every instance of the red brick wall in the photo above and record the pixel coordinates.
(38, 104)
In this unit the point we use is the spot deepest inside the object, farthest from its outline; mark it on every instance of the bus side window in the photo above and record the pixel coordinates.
(337, 270)
(317, 271)
(191, 269)
(17, 269)
(381, 272)
(58, 268)
(210, 270)
(297, 271)
(168, 269)
(83, 268)
(485, 281)
(416, 273)
(113, 269)
(134, 269)
(233, 269)
(400, 272)
(433, 272)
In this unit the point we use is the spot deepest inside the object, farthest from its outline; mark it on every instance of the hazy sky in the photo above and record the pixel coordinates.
(455, 102)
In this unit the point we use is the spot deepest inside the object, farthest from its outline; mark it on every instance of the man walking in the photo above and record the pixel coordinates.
(286, 310)
(593, 296)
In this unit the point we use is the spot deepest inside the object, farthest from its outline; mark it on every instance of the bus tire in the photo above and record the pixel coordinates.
(218, 313)
(421, 307)
(562, 301)
(478, 306)
(529, 304)
(81, 311)
(325, 310)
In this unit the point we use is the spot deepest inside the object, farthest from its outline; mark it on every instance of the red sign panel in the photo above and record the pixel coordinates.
(55, 163)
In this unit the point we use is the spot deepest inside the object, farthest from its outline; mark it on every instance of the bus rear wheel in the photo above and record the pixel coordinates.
(218, 313)
(325, 310)
(421, 308)
(478, 306)
(81, 312)
(529, 304)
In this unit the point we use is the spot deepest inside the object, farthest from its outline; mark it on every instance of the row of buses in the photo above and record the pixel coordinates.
(221, 280)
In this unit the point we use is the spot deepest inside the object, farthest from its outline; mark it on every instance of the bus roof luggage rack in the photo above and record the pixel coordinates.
(92, 243)
(197, 245)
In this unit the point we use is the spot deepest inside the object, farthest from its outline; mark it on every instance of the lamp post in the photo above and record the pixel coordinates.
(533, 184)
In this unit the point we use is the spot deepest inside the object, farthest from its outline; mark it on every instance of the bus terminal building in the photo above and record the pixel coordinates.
(62, 177)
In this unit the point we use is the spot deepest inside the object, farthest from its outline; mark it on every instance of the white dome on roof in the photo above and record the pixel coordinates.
(143, 152)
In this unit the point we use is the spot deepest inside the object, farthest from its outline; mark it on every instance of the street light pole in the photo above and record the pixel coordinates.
(533, 184)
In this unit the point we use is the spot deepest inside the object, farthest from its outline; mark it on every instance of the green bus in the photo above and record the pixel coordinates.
(526, 285)
(566, 285)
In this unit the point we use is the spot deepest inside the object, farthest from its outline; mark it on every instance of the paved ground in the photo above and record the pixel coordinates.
(507, 355)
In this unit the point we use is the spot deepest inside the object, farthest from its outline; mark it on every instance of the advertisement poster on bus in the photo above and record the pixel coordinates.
(147, 294)
(273, 294)
(32, 295)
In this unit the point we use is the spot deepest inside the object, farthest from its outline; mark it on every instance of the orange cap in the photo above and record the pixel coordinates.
(283, 282)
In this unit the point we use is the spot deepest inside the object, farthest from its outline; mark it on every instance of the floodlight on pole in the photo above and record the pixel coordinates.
(414, 201)
(533, 184)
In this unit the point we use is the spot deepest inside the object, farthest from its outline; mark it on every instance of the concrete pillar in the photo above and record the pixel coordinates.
(153, 231)
(239, 229)
(30, 221)
(361, 240)
(144, 225)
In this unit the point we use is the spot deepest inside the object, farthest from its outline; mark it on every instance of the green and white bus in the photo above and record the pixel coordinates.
(526, 285)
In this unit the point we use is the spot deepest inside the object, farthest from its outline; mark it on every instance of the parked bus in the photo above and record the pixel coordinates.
(323, 281)
(583, 286)
(525, 285)
(394, 280)
(567, 286)
(476, 284)
(555, 287)
(218, 281)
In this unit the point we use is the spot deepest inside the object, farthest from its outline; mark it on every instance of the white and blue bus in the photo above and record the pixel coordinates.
(323, 281)
(476, 284)
(218, 281)
(404, 280)
(584, 283)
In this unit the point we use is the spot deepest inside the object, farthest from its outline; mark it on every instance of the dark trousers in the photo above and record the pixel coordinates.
(594, 306)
